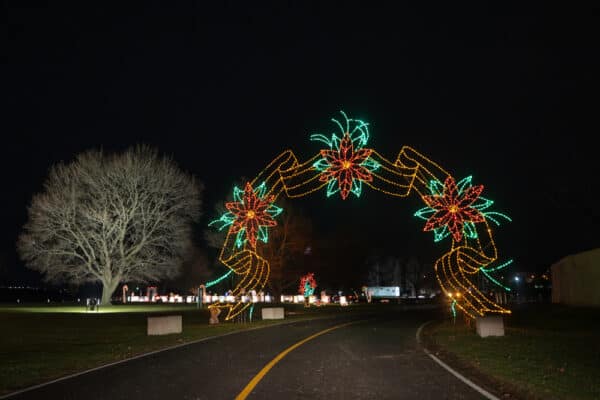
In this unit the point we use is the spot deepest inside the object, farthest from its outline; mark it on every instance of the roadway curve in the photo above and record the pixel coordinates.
(378, 358)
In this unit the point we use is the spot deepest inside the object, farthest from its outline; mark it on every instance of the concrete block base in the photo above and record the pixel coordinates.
(164, 325)
(272, 313)
(490, 325)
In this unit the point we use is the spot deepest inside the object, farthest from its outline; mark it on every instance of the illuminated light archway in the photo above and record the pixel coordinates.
(454, 210)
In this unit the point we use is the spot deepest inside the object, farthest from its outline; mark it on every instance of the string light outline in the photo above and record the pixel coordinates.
(411, 172)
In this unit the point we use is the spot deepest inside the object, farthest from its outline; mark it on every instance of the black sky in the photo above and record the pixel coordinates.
(507, 95)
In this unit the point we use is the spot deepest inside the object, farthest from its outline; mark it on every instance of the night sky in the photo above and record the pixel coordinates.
(509, 96)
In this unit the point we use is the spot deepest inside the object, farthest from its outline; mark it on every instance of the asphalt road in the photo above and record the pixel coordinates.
(374, 359)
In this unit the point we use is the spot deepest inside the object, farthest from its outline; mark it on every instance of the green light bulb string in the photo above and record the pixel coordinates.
(486, 272)
(219, 279)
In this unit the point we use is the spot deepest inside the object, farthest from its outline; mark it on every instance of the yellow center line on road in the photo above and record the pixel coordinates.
(244, 393)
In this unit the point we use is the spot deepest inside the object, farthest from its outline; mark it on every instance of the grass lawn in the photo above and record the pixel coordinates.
(548, 352)
(38, 344)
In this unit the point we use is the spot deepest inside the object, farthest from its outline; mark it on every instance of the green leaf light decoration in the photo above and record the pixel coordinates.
(481, 204)
(346, 164)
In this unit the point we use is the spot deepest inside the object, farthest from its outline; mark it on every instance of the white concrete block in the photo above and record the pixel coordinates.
(490, 325)
(272, 313)
(164, 325)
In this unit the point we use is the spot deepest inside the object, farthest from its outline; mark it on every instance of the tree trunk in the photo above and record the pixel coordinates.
(108, 288)
(276, 294)
(275, 290)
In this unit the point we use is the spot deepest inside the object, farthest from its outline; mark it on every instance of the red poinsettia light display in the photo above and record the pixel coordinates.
(253, 214)
(453, 208)
(345, 165)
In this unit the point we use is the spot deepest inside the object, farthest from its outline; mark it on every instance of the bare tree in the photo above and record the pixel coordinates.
(3, 267)
(110, 219)
(384, 271)
(194, 272)
(288, 246)
(410, 273)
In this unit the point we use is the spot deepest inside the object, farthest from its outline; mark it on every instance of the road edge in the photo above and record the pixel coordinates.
(459, 376)
(205, 339)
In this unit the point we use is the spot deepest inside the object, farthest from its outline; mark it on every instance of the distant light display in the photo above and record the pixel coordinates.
(308, 284)
(454, 210)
